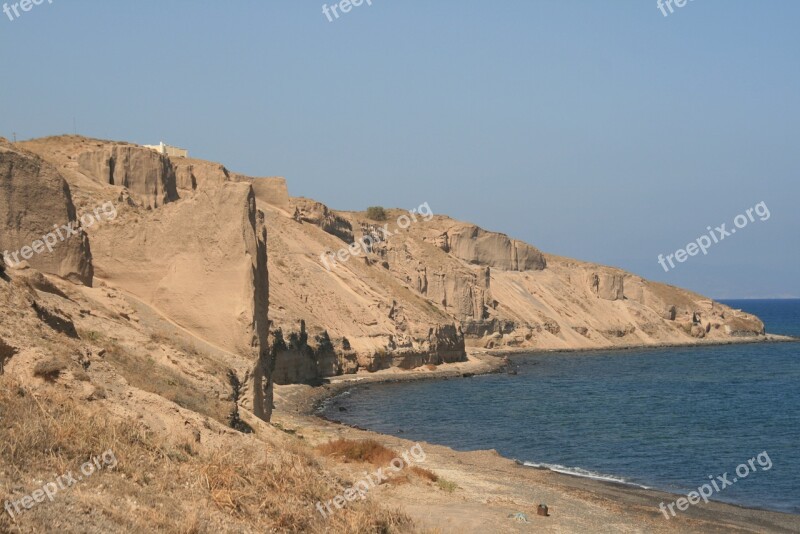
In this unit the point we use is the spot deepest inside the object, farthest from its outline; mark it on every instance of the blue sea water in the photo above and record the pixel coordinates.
(661, 418)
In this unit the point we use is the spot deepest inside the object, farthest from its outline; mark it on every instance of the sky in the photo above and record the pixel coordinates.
(598, 130)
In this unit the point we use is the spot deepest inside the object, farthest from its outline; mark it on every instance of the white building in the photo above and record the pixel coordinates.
(168, 150)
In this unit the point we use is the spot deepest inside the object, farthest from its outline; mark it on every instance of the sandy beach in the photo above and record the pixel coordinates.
(492, 490)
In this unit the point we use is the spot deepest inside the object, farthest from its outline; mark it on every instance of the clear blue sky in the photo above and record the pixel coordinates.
(599, 130)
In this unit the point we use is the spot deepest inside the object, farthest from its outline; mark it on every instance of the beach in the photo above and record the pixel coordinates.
(493, 490)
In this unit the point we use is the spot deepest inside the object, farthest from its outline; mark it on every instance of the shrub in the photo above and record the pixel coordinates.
(376, 213)
(50, 369)
(91, 335)
(369, 451)
(446, 485)
(424, 473)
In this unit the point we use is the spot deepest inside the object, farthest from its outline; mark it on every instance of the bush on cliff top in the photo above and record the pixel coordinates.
(376, 213)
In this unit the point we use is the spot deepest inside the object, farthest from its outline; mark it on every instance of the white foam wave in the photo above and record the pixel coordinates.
(584, 473)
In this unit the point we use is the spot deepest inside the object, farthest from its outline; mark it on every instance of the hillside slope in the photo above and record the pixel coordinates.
(157, 331)
(419, 290)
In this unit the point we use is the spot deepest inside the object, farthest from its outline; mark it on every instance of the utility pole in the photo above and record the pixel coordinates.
(15, 137)
(74, 128)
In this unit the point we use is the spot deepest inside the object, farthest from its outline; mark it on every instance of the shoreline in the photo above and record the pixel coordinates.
(498, 363)
(767, 338)
(299, 405)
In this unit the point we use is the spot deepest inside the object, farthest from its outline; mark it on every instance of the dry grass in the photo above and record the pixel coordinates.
(91, 335)
(368, 451)
(446, 485)
(141, 371)
(398, 480)
(51, 368)
(288, 485)
(244, 486)
(424, 473)
(405, 478)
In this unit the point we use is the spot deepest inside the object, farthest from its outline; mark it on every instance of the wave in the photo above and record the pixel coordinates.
(584, 473)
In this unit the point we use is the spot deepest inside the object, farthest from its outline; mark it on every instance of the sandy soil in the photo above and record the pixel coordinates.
(491, 489)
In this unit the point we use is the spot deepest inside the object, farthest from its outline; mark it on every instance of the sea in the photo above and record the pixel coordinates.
(670, 419)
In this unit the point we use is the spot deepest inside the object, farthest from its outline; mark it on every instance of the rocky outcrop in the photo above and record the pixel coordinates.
(465, 293)
(295, 359)
(35, 205)
(608, 286)
(272, 191)
(301, 360)
(148, 176)
(477, 246)
(191, 174)
(318, 214)
(743, 325)
(55, 319)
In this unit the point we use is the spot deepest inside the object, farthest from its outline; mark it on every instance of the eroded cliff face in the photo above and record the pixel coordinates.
(199, 259)
(477, 246)
(35, 201)
(316, 213)
(419, 295)
(148, 176)
(202, 262)
(478, 288)
(192, 174)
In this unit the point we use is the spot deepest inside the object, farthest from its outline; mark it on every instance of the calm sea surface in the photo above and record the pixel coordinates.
(659, 418)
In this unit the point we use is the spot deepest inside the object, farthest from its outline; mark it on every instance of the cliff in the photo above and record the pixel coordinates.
(440, 281)
(415, 289)
(39, 224)
(198, 258)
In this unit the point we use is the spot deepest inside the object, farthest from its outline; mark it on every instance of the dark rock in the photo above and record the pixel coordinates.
(56, 319)
(542, 510)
